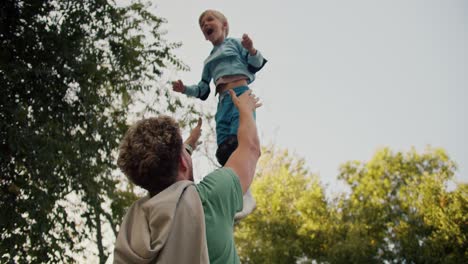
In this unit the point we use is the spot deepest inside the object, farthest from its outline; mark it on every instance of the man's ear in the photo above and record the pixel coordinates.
(182, 162)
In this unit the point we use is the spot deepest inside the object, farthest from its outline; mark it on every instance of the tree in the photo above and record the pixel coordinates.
(69, 71)
(399, 210)
(291, 213)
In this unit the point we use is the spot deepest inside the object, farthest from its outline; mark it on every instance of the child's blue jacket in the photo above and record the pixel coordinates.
(228, 58)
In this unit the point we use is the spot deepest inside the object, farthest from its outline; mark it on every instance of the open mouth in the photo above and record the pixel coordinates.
(209, 31)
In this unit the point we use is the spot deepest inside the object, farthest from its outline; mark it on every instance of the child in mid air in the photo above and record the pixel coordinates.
(232, 64)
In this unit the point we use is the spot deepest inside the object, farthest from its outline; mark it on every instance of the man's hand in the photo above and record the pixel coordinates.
(246, 102)
(178, 86)
(194, 136)
(247, 43)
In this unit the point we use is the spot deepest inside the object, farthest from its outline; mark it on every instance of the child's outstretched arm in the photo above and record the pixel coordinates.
(178, 86)
(247, 43)
(255, 60)
(200, 90)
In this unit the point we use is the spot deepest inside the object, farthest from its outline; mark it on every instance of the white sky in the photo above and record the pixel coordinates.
(345, 78)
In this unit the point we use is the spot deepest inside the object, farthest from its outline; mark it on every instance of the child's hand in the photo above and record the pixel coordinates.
(247, 43)
(178, 86)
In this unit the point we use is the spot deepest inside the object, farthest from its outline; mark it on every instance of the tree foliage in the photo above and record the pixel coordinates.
(398, 210)
(69, 71)
(404, 210)
(291, 211)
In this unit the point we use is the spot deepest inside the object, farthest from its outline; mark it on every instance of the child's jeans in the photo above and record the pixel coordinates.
(227, 123)
(227, 115)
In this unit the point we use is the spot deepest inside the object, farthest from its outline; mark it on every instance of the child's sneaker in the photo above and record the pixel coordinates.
(249, 207)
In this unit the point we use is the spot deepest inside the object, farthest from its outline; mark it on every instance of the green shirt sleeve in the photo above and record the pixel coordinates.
(222, 192)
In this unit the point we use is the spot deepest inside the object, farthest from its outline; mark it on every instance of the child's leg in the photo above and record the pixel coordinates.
(227, 124)
(227, 115)
(249, 206)
(223, 118)
(226, 148)
(222, 154)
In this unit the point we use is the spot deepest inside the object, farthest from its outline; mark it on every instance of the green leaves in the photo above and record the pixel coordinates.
(395, 195)
(398, 210)
(289, 201)
(69, 73)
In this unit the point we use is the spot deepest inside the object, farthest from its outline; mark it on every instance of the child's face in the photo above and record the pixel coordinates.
(213, 29)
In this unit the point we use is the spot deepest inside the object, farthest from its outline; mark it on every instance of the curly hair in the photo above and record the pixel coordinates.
(149, 153)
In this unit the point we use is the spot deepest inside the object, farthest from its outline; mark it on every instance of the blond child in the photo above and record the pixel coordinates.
(232, 64)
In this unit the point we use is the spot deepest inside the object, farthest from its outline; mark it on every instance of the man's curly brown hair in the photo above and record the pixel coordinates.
(149, 153)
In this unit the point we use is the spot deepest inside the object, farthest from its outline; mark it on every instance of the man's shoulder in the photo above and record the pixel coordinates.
(220, 175)
(221, 193)
(219, 181)
(223, 171)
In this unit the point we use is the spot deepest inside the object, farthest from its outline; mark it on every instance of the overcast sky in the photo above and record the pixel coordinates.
(345, 78)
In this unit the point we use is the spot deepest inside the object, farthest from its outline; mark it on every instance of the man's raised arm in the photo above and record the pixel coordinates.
(243, 160)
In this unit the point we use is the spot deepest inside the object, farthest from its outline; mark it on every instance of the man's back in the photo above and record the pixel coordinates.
(166, 228)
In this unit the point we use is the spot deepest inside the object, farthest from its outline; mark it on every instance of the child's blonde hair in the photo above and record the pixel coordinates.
(216, 14)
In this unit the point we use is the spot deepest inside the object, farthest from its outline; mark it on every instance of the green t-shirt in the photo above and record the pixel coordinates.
(221, 197)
